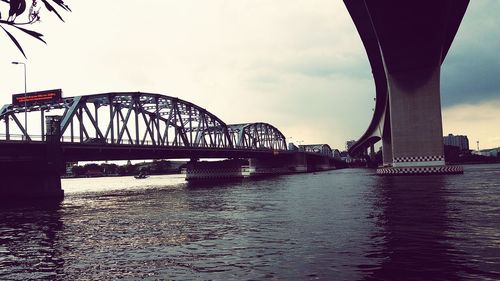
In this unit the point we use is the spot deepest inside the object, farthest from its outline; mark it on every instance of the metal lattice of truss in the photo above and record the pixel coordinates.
(323, 149)
(257, 136)
(125, 118)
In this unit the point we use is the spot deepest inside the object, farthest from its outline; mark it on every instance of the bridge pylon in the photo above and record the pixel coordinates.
(406, 42)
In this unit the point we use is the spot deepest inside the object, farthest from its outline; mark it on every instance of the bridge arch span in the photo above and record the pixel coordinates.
(323, 149)
(336, 154)
(133, 118)
(257, 136)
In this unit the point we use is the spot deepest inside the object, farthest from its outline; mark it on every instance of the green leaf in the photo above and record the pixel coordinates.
(15, 41)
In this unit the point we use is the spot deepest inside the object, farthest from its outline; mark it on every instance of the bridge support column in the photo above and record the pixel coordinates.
(408, 41)
(416, 126)
(325, 164)
(319, 164)
(34, 177)
(372, 151)
(215, 171)
(34, 180)
(297, 162)
(276, 165)
(387, 151)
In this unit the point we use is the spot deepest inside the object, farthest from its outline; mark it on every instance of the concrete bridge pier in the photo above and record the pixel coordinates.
(387, 150)
(34, 173)
(32, 180)
(319, 164)
(298, 162)
(417, 145)
(277, 164)
(214, 171)
(406, 42)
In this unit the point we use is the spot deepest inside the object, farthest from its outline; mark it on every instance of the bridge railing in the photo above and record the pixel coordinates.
(108, 141)
(21, 137)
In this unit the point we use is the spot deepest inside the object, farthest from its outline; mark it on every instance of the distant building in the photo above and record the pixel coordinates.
(461, 142)
(349, 144)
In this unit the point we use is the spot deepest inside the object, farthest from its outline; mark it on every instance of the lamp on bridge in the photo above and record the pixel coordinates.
(25, 91)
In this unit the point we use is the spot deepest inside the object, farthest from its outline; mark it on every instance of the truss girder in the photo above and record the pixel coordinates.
(257, 136)
(136, 118)
(130, 118)
(323, 149)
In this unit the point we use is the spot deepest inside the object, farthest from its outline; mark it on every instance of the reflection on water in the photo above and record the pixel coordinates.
(412, 231)
(337, 225)
(28, 243)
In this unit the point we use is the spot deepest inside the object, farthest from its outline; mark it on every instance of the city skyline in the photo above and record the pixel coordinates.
(297, 65)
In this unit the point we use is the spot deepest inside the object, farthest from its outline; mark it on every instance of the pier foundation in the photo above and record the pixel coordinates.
(32, 172)
(298, 162)
(33, 180)
(276, 165)
(204, 171)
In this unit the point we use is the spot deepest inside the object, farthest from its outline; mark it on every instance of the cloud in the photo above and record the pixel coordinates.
(470, 71)
(299, 65)
(479, 122)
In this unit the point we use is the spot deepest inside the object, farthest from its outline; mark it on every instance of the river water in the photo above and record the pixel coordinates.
(337, 225)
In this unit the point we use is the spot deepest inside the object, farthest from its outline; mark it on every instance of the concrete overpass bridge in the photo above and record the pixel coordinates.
(406, 43)
(133, 126)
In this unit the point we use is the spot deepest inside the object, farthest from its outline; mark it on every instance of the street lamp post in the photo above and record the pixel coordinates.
(25, 91)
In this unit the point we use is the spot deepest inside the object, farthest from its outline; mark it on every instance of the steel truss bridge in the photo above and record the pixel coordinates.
(136, 125)
(323, 149)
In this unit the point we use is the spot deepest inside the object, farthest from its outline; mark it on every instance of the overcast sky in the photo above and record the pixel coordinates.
(297, 64)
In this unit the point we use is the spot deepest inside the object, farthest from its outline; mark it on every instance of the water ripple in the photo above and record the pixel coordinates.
(337, 225)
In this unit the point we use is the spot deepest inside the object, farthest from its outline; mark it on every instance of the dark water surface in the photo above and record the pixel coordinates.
(337, 225)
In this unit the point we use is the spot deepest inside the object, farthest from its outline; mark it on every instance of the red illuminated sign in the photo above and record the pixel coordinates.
(34, 98)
